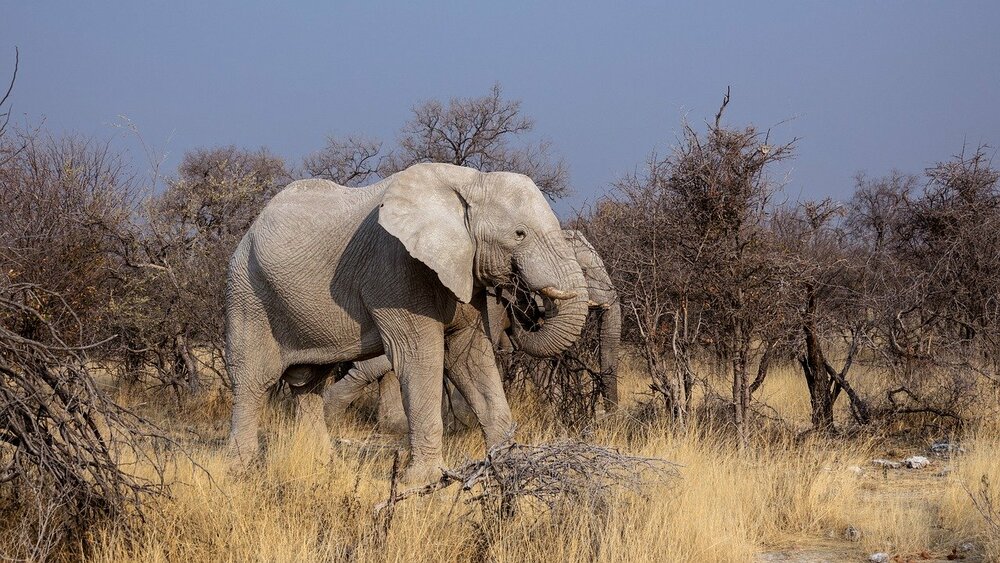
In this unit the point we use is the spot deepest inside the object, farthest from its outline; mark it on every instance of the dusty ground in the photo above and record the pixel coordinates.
(918, 492)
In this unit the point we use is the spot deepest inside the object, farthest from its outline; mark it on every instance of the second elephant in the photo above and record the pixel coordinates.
(602, 300)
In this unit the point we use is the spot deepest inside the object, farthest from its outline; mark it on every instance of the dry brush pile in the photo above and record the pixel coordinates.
(68, 452)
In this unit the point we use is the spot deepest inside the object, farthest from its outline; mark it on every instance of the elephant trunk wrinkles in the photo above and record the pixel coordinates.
(561, 330)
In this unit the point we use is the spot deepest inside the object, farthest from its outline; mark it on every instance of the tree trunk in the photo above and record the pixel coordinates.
(821, 386)
(741, 388)
(184, 357)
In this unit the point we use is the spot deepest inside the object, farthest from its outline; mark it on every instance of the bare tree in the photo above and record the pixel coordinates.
(830, 274)
(936, 252)
(479, 133)
(689, 243)
(636, 232)
(353, 161)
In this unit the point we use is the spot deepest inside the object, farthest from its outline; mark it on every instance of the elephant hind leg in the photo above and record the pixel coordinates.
(391, 416)
(310, 422)
(472, 367)
(340, 395)
(254, 364)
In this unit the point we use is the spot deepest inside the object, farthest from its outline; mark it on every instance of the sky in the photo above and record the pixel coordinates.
(864, 85)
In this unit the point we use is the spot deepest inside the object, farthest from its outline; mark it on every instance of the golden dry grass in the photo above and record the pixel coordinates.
(786, 494)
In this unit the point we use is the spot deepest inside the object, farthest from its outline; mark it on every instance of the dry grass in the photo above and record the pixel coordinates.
(786, 493)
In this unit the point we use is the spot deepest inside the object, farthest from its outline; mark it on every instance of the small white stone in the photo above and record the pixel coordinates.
(879, 557)
(855, 470)
(916, 462)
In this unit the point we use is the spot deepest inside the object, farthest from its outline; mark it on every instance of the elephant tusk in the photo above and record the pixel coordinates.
(553, 293)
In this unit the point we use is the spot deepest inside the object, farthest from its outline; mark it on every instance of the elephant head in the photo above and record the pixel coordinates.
(528, 315)
(479, 230)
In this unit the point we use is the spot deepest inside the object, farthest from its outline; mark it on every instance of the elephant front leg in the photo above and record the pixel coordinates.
(473, 369)
(419, 365)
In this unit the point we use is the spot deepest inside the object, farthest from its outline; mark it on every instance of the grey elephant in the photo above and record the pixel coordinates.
(601, 299)
(329, 274)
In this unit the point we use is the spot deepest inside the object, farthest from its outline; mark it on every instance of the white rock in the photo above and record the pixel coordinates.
(855, 470)
(886, 464)
(916, 462)
(879, 557)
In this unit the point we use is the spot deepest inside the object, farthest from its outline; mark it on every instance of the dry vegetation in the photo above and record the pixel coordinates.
(783, 494)
(772, 352)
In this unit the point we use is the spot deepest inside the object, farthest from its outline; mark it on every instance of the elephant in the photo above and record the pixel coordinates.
(601, 297)
(328, 274)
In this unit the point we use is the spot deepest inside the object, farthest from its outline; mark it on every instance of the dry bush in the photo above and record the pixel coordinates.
(971, 508)
(832, 279)
(571, 381)
(543, 475)
(60, 198)
(698, 270)
(987, 503)
(931, 263)
(170, 316)
(68, 453)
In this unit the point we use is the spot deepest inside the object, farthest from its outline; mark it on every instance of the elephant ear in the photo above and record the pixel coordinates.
(425, 211)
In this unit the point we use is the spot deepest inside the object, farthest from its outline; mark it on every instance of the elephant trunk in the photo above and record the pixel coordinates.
(611, 332)
(562, 281)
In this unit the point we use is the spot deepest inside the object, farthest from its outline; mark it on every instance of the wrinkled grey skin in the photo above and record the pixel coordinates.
(329, 274)
(391, 417)
(601, 298)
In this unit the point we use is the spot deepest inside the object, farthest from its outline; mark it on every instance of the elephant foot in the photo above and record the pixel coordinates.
(422, 472)
(498, 435)
(238, 466)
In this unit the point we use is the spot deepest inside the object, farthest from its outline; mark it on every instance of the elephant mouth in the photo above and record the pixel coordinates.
(527, 308)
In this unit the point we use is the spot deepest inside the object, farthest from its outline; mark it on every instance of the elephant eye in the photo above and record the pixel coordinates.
(520, 234)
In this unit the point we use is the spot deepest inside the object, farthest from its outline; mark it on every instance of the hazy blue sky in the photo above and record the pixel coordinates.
(870, 85)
